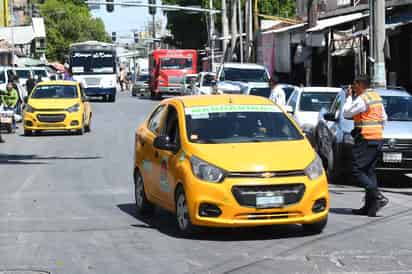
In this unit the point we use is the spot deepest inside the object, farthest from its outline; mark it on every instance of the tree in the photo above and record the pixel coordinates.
(69, 21)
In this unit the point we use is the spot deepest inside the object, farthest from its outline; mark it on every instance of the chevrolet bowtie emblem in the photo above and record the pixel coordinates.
(268, 175)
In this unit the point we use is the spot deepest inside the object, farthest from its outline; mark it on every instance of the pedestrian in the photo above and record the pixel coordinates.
(30, 83)
(277, 94)
(369, 115)
(68, 76)
(122, 78)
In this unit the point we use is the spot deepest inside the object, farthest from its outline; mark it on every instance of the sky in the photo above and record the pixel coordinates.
(124, 20)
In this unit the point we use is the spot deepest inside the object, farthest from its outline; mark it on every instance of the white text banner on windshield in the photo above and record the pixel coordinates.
(230, 108)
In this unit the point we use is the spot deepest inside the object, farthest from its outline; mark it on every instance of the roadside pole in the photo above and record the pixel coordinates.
(211, 36)
(239, 6)
(225, 28)
(377, 42)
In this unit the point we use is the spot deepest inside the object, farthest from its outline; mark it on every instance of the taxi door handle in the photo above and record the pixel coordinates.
(156, 154)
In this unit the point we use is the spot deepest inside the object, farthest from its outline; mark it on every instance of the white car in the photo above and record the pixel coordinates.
(42, 72)
(204, 82)
(254, 75)
(186, 88)
(305, 104)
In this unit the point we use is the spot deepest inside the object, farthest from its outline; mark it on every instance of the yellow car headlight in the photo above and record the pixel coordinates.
(315, 169)
(29, 109)
(74, 108)
(205, 171)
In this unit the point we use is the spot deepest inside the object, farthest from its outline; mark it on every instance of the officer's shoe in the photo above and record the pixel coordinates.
(2, 140)
(382, 201)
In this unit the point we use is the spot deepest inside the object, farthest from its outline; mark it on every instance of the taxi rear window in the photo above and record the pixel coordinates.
(239, 124)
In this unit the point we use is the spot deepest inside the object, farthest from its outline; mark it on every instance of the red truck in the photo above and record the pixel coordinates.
(168, 67)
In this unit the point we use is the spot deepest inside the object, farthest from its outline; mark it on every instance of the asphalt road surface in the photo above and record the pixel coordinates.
(66, 206)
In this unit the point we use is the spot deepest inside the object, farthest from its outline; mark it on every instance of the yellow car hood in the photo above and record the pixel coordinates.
(40, 104)
(254, 157)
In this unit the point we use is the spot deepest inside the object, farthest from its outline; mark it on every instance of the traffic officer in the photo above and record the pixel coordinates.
(215, 89)
(369, 115)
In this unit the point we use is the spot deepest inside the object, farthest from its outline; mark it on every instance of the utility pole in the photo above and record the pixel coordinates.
(233, 27)
(211, 37)
(377, 42)
(239, 6)
(225, 27)
(312, 22)
(249, 28)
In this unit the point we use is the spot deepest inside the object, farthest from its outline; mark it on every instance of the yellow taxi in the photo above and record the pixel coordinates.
(57, 105)
(228, 161)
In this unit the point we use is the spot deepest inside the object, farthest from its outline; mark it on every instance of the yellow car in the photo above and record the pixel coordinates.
(57, 105)
(228, 161)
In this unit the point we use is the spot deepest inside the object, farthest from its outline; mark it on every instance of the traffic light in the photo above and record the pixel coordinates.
(136, 37)
(109, 7)
(113, 36)
(152, 10)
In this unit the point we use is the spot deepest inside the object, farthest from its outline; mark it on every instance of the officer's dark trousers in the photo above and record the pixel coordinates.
(364, 157)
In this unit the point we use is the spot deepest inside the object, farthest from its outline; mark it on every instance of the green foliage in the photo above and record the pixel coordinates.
(69, 21)
(282, 8)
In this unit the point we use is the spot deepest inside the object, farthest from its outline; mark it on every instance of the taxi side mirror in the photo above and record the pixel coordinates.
(163, 143)
(289, 109)
(330, 117)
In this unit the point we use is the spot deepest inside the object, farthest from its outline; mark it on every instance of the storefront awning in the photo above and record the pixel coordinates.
(335, 21)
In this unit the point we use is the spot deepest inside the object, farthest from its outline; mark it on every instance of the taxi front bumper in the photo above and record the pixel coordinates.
(229, 209)
(61, 120)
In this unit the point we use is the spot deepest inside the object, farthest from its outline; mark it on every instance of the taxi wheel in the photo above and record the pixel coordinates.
(28, 132)
(315, 228)
(143, 206)
(88, 127)
(182, 213)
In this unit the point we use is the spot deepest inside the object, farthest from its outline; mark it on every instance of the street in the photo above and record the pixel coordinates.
(68, 207)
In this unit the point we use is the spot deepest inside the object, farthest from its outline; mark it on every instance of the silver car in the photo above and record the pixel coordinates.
(334, 142)
(141, 85)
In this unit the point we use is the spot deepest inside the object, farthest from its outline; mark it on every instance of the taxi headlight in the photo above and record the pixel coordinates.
(74, 108)
(29, 109)
(315, 169)
(205, 171)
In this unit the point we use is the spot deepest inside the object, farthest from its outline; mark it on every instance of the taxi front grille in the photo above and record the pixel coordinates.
(397, 144)
(51, 118)
(271, 174)
(268, 216)
(246, 195)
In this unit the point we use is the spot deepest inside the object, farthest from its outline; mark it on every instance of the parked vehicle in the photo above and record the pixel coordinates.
(141, 85)
(334, 141)
(204, 82)
(189, 84)
(57, 105)
(304, 104)
(254, 75)
(7, 120)
(40, 72)
(167, 69)
(288, 89)
(210, 160)
(23, 74)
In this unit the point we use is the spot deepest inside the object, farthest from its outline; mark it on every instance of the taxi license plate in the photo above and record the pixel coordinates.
(392, 157)
(265, 200)
(6, 120)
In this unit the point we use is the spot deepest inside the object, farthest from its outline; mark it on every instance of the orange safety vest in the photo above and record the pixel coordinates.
(370, 122)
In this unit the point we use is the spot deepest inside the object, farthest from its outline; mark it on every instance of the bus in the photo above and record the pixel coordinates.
(167, 69)
(93, 64)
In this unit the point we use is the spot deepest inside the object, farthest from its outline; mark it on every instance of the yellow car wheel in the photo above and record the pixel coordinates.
(182, 213)
(143, 206)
